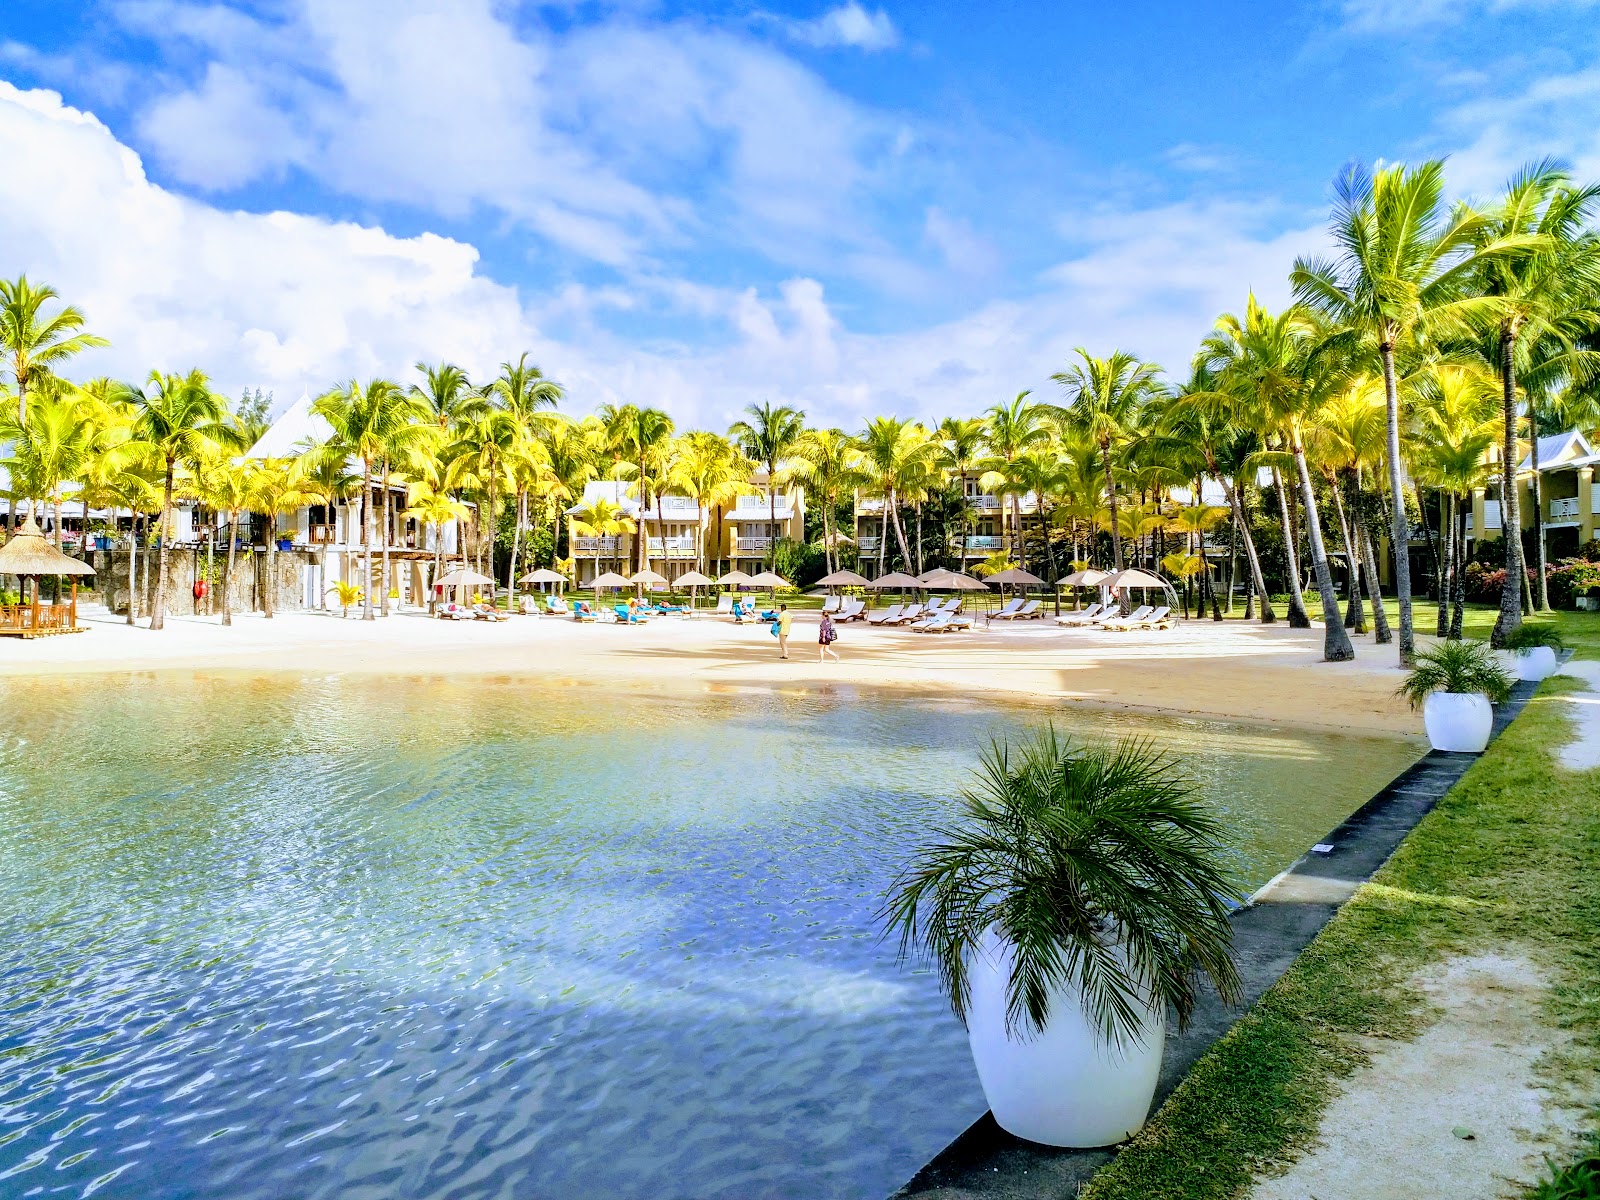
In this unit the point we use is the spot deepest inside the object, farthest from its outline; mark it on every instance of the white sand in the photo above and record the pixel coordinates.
(1390, 1133)
(1231, 670)
(1582, 753)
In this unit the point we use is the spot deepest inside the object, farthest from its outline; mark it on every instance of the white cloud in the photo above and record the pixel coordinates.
(848, 25)
(1387, 16)
(1557, 115)
(294, 302)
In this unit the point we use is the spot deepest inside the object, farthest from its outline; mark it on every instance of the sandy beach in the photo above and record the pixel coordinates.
(1232, 670)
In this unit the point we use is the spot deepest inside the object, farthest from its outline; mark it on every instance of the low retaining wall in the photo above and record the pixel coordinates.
(1268, 935)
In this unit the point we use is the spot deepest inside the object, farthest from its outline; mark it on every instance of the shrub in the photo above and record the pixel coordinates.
(1571, 579)
(1461, 668)
(1590, 551)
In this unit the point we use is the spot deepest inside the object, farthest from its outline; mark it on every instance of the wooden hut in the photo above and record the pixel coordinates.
(28, 555)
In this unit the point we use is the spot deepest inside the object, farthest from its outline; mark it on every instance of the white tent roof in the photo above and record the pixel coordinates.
(294, 429)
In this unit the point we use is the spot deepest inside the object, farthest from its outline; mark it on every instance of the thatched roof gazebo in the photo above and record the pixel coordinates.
(28, 554)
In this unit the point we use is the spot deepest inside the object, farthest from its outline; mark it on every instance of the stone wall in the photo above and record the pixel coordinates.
(184, 564)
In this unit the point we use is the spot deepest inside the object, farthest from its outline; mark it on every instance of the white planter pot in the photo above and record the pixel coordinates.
(1457, 722)
(1534, 664)
(1065, 1086)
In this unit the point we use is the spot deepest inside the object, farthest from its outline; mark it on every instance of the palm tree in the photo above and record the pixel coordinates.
(770, 435)
(523, 391)
(960, 441)
(893, 453)
(480, 459)
(228, 485)
(179, 418)
(602, 518)
(370, 422)
(34, 342)
(711, 471)
(277, 487)
(1402, 268)
(325, 475)
(572, 451)
(1347, 439)
(1540, 265)
(830, 465)
(425, 503)
(642, 435)
(1104, 397)
(448, 395)
(52, 445)
(1272, 362)
(1013, 429)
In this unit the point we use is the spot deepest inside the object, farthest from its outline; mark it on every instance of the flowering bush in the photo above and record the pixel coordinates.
(1571, 579)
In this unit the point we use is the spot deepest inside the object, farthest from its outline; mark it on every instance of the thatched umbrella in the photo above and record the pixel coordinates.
(29, 553)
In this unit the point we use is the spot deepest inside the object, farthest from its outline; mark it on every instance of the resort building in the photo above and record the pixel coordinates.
(991, 516)
(1567, 485)
(681, 532)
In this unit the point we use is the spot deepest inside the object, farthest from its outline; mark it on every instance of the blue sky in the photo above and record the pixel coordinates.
(915, 208)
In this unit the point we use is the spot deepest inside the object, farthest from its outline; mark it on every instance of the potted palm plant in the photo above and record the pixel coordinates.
(1084, 895)
(1534, 647)
(1454, 685)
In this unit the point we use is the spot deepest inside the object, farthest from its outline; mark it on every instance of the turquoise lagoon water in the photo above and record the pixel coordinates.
(357, 937)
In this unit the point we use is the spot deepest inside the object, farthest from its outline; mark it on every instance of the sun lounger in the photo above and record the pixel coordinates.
(583, 612)
(1129, 621)
(557, 607)
(487, 612)
(454, 612)
(1008, 611)
(528, 606)
(1088, 616)
(853, 609)
(1160, 618)
(831, 604)
(724, 605)
(912, 612)
(892, 613)
(1029, 610)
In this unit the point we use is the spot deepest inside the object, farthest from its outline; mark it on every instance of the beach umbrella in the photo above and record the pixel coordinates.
(29, 553)
(464, 577)
(1088, 577)
(945, 580)
(843, 579)
(768, 579)
(1134, 578)
(648, 578)
(694, 581)
(543, 575)
(611, 580)
(1018, 576)
(734, 579)
(896, 580)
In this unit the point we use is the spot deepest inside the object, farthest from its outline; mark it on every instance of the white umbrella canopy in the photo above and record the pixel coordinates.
(768, 579)
(649, 578)
(463, 577)
(734, 579)
(693, 579)
(1134, 578)
(843, 579)
(543, 575)
(1088, 577)
(611, 580)
(952, 581)
(895, 580)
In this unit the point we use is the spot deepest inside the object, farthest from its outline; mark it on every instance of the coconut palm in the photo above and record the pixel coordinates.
(829, 464)
(179, 419)
(1346, 441)
(641, 436)
(348, 593)
(1012, 429)
(325, 475)
(770, 434)
(51, 445)
(33, 341)
(427, 504)
(1403, 267)
(523, 391)
(602, 518)
(1104, 398)
(711, 471)
(894, 454)
(961, 441)
(277, 487)
(1540, 266)
(228, 485)
(448, 395)
(372, 422)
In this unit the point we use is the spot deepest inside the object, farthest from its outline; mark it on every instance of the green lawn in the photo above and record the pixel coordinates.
(1510, 856)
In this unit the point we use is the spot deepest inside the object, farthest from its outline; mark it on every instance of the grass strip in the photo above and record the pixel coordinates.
(1510, 857)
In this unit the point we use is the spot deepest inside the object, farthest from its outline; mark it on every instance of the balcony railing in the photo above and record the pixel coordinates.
(673, 507)
(867, 545)
(672, 547)
(752, 508)
(985, 503)
(591, 545)
(984, 543)
(1564, 510)
(752, 545)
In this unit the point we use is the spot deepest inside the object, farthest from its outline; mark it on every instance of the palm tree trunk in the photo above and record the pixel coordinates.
(227, 571)
(438, 567)
(1298, 617)
(1353, 612)
(883, 533)
(388, 536)
(271, 558)
(1258, 582)
(516, 541)
(1542, 598)
(1336, 644)
(366, 541)
(1458, 586)
(158, 610)
(1399, 530)
(899, 529)
(1233, 560)
(1510, 503)
(1111, 499)
(966, 522)
(133, 564)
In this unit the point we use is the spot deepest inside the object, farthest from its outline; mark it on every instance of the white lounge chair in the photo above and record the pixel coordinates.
(1029, 611)
(1007, 611)
(831, 604)
(557, 607)
(943, 622)
(852, 610)
(724, 605)
(892, 613)
(1127, 622)
(1160, 618)
(911, 613)
(1087, 616)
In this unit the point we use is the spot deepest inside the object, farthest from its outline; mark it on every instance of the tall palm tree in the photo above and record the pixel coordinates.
(1104, 398)
(711, 471)
(228, 485)
(33, 341)
(1403, 266)
(961, 441)
(523, 391)
(769, 435)
(448, 395)
(480, 459)
(829, 463)
(370, 422)
(326, 475)
(893, 454)
(573, 452)
(179, 419)
(641, 436)
(1347, 439)
(427, 504)
(51, 445)
(1272, 362)
(1540, 265)
(602, 518)
(278, 488)
(1012, 429)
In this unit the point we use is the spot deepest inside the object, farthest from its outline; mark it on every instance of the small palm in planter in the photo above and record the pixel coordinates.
(1454, 685)
(1085, 894)
(1534, 647)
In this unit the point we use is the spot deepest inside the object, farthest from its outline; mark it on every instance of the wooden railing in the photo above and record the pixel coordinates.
(47, 618)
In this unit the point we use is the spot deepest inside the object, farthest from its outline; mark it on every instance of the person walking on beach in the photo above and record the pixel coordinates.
(826, 635)
(784, 621)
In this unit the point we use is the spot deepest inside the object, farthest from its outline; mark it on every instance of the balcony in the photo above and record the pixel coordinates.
(867, 545)
(596, 545)
(985, 543)
(672, 547)
(1564, 510)
(672, 508)
(983, 502)
(756, 508)
(751, 545)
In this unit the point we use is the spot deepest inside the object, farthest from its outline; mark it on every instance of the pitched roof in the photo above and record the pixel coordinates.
(1559, 449)
(295, 429)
